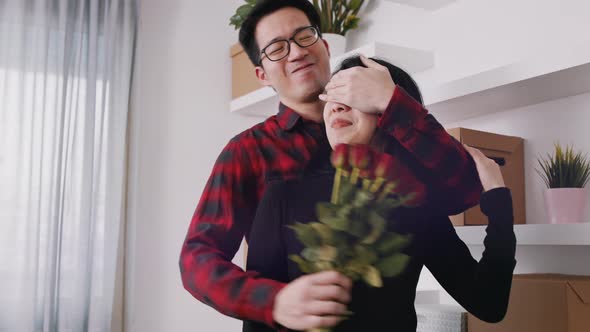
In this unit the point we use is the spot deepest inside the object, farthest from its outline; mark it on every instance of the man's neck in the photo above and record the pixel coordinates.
(309, 111)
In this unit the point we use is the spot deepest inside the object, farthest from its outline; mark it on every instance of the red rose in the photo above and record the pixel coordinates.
(340, 156)
(360, 156)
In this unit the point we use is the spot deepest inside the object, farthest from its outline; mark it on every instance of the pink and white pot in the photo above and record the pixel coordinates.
(565, 205)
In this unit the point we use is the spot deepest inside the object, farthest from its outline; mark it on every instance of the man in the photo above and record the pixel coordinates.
(282, 40)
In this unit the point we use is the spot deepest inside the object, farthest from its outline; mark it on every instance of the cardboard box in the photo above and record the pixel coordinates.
(543, 303)
(242, 71)
(508, 151)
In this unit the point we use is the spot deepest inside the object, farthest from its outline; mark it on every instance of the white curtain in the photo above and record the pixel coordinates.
(65, 76)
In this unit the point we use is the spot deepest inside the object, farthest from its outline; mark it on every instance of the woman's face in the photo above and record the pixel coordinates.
(345, 125)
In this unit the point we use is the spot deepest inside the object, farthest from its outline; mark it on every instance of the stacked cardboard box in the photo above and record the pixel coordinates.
(543, 303)
(244, 79)
(508, 152)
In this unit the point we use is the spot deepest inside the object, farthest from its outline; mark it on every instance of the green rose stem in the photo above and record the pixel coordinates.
(354, 175)
(336, 186)
(377, 185)
(366, 184)
(387, 189)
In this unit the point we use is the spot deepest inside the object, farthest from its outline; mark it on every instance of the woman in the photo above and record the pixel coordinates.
(482, 288)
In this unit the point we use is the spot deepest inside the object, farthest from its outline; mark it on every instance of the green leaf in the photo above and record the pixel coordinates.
(347, 192)
(325, 210)
(337, 223)
(327, 253)
(304, 266)
(324, 265)
(306, 234)
(350, 24)
(365, 255)
(244, 10)
(324, 232)
(362, 198)
(392, 242)
(355, 4)
(393, 265)
(340, 239)
(344, 210)
(377, 227)
(388, 204)
(236, 21)
(316, 254)
(373, 277)
(310, 254)
(358, 227)
(565, 168)
(354, 267)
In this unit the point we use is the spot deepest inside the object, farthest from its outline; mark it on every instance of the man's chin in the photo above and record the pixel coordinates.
(311, 95)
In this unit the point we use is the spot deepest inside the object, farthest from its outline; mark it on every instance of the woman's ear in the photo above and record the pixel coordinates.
(261, 75)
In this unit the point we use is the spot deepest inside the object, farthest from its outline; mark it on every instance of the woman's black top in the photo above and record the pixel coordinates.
(482, 288)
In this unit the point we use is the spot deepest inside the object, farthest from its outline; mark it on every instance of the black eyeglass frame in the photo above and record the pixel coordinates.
(292, 38)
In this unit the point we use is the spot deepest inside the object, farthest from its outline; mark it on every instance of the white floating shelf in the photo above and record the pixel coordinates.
(556, 73)
(264, 101)
(425, 4)
(410, 59)
(550, 75)
(534, 234)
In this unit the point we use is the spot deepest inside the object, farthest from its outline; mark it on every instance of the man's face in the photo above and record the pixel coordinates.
(348, 126)
(301, 76)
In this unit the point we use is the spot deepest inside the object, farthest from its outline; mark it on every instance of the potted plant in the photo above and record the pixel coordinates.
(337, 18)
(566, 174)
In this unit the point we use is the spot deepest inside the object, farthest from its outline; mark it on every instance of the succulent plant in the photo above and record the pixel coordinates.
(564, 168)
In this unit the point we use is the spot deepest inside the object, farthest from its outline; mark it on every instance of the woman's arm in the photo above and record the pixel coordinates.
(482, 288)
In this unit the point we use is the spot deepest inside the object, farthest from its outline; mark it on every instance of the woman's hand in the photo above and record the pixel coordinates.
(488, 170)
(313, 301)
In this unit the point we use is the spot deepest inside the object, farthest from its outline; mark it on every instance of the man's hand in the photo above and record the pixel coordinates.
(313, 301)
(488, 170)
(368, 90)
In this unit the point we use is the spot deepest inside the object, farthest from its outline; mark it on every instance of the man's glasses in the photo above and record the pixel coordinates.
(279, 49)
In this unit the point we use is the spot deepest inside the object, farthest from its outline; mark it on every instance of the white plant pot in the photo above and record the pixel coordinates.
(336, 43)
(565, 205)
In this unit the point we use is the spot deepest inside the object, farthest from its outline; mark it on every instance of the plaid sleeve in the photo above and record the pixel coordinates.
(220, 221)
(457, 186)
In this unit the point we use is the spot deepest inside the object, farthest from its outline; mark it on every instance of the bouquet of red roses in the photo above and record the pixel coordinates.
(350, 235)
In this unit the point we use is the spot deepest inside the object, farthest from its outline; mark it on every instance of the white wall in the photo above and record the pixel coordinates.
(470, 36)
(180, 124)
(180, 121)
(565, 120)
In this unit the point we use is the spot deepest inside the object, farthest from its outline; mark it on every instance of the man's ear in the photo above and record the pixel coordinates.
(327, 47)
(261, 75)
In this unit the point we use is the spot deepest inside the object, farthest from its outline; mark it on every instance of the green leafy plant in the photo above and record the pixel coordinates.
(337, 16)
(241, 13)
(564, 168)
(350, 235)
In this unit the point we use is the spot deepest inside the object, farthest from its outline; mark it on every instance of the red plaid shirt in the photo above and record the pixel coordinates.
(279, 148)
